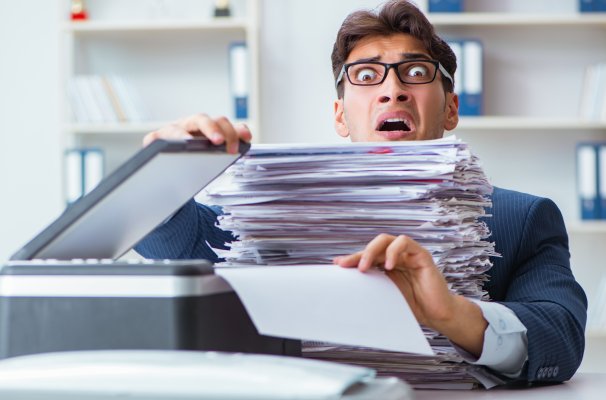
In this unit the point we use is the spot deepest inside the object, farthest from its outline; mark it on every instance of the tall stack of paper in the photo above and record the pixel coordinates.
(298, 204)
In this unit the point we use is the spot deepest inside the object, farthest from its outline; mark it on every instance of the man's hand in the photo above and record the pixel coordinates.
(412, 269)
(217, 130)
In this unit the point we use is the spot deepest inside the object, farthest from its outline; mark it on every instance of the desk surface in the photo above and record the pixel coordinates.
(583, 386)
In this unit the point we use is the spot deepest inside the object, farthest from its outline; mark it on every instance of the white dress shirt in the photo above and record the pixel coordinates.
(505, 344)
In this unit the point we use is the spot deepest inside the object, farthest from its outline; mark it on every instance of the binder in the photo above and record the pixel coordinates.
(601, 176)
(599, 5)
(238, 61)
(586, 6)
(73, 175)
(587, 180)
(456, 47)
(445, 5)
(84, 169)
(93, 164)
(471, 98)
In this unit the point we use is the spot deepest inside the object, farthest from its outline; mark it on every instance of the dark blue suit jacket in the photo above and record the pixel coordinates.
(532, 277)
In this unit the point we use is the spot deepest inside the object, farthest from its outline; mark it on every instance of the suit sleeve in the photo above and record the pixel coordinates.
(190, 233)
(546, 298)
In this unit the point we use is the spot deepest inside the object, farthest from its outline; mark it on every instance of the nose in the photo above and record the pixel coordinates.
(392, 89)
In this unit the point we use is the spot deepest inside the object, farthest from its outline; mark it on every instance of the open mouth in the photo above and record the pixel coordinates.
(394, 124)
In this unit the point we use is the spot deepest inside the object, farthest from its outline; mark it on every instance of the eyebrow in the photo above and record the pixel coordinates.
(405, 56)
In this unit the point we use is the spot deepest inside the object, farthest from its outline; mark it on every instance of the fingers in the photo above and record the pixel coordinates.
(393, 252)
(350, 261)
(404, 251)
(243, 132)
(168, 132)
(374, 253)
(218, 131)
(229, 133)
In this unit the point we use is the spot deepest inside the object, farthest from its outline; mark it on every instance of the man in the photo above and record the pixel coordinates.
(393, 76)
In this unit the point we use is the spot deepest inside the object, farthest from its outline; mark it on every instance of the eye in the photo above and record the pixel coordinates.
(364, 74)
(418, 71)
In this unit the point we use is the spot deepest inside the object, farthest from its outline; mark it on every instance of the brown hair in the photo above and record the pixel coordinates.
(395, 16)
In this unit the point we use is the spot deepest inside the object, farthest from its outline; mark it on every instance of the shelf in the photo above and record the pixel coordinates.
(115, 129)
(587, 227)
(516, 19)
(135, 128)
(527, 123)
(159, 25)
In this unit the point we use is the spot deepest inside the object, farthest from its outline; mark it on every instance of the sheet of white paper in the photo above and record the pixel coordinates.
(328, 303)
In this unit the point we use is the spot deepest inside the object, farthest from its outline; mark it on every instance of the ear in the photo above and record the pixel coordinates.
(340, 124)
(452, 111)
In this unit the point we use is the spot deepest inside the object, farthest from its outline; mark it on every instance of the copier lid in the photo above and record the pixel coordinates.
(132, 201)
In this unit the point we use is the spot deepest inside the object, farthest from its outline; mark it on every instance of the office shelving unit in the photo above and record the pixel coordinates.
(520, 19)
(175, 54)
(527, 136)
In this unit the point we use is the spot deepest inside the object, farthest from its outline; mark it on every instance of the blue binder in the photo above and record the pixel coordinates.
(599, 5)
(445, 5)
(586, 6)
(471, 97)
(238, 64)
(84, 169)
(587, 180)
(457, 49)
(601, 178)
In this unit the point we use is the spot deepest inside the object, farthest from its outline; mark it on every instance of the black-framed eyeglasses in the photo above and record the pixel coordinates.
(414, 72)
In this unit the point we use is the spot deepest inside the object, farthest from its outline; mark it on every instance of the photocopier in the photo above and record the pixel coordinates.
(66, 289)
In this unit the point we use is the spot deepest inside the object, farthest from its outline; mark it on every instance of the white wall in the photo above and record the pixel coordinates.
(30, 152)
(297, 85)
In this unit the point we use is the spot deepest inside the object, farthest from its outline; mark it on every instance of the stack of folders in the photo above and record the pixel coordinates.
(104, 99)
(593, 94)
(469, 81)
(591, 180)
(300, 204)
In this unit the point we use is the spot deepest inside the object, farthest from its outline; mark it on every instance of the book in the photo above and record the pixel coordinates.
(129, 99)
(104, 99)
(89, 99)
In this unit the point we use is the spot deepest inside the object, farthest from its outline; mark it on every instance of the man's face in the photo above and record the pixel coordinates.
(425, 109)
